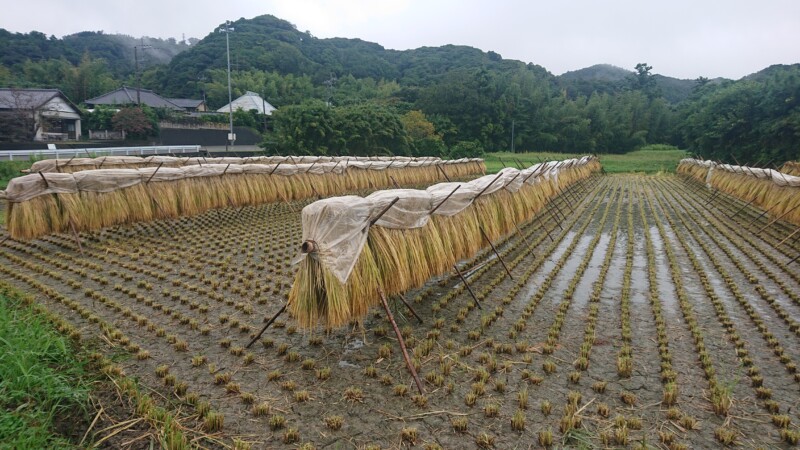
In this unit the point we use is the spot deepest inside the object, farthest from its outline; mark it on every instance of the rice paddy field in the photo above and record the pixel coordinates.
(639, 315)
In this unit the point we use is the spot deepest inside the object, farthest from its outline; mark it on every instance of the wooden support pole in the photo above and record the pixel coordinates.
(483, 232)
(542, 225)
(283, 308)
(75, 235)
(488, 186)
(525, 238)
(156, 171)
(439, 166)
(385, 210)
(402, 342)
(742, 209)
(408, 305)
(474, 297)
(795, 259)
(501, 162)
(394, 182)
(712, 197)
(788, 237)
(445, 199)
(46, 183)
(779, 217)
(760, 215)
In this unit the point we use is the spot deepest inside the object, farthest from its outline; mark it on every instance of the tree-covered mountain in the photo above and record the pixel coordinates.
(462, 93)
(606, 78)
(116, 49)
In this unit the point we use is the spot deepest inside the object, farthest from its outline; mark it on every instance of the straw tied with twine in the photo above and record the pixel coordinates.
(395, 240)
(45, 203)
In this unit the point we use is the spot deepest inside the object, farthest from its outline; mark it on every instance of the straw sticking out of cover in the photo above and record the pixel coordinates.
(354, 246)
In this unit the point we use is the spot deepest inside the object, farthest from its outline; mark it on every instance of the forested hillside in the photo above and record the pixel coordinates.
(461, 94)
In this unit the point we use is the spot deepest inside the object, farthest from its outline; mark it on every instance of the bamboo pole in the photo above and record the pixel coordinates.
(283, 308)
(474, 297)
(483, 232)
(408, 305)
(402, 343)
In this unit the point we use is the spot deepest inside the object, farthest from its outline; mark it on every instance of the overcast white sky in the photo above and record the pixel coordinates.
(680, 38)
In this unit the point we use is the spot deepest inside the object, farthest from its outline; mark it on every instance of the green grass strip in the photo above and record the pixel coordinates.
(42, 380)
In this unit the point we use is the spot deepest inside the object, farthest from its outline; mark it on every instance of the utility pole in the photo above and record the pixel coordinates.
(138, 74)
(512, 135)
(227, 30)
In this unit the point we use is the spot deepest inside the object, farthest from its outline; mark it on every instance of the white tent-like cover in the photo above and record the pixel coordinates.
(250, 100)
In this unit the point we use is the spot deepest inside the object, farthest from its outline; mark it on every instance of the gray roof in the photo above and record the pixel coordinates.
(250, 100)
(29, 98)
(128, 96)
(186, 102)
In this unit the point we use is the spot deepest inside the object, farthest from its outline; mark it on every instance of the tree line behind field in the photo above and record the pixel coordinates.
(348, 96)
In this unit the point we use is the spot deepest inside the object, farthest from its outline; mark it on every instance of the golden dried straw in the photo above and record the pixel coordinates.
(762, 192)
(88, 211)
(397, 260)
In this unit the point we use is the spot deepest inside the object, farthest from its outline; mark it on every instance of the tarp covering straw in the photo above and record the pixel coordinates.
(135, 162)
(768, 189)
(791, 168)
(44, 203)
(416, 238)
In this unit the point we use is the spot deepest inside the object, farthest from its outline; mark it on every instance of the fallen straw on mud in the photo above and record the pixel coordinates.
(338, 280)
(768, 189)
(44, 203)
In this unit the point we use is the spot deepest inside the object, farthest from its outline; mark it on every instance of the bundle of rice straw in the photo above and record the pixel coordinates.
(349, 254)
(76, 164)
(791, 168)
(44, 203)
(766, 188)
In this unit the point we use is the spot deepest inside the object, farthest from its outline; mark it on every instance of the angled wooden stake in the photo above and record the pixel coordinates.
(541, 225)
(525, 238)
(779, 217)
(155, 172)
(788, 237)
(402, 342)
(761, 215)
(445, 199)
(496, 253)
(439, 166)
(408, 305)
(742, 209)
(75, 235)
(283, 308)
(394, 182)
(795, 259)
(464, 280)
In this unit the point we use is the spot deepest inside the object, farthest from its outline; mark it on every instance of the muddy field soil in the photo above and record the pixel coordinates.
(640, 314)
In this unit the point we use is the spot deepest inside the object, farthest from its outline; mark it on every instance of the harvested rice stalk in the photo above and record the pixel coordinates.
(768, 189)
(41, 204)
(351, 252)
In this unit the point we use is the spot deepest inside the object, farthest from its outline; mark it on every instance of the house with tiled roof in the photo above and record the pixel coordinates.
(250, 100)
(190, 104)
(38, 114)
(125, 96)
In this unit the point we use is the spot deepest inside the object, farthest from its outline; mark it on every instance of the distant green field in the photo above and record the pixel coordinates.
(648, 160)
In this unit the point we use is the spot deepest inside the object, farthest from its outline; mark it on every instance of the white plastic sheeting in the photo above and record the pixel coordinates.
(109, 162)
(339, 225)
(29, 186)
(777, 177)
